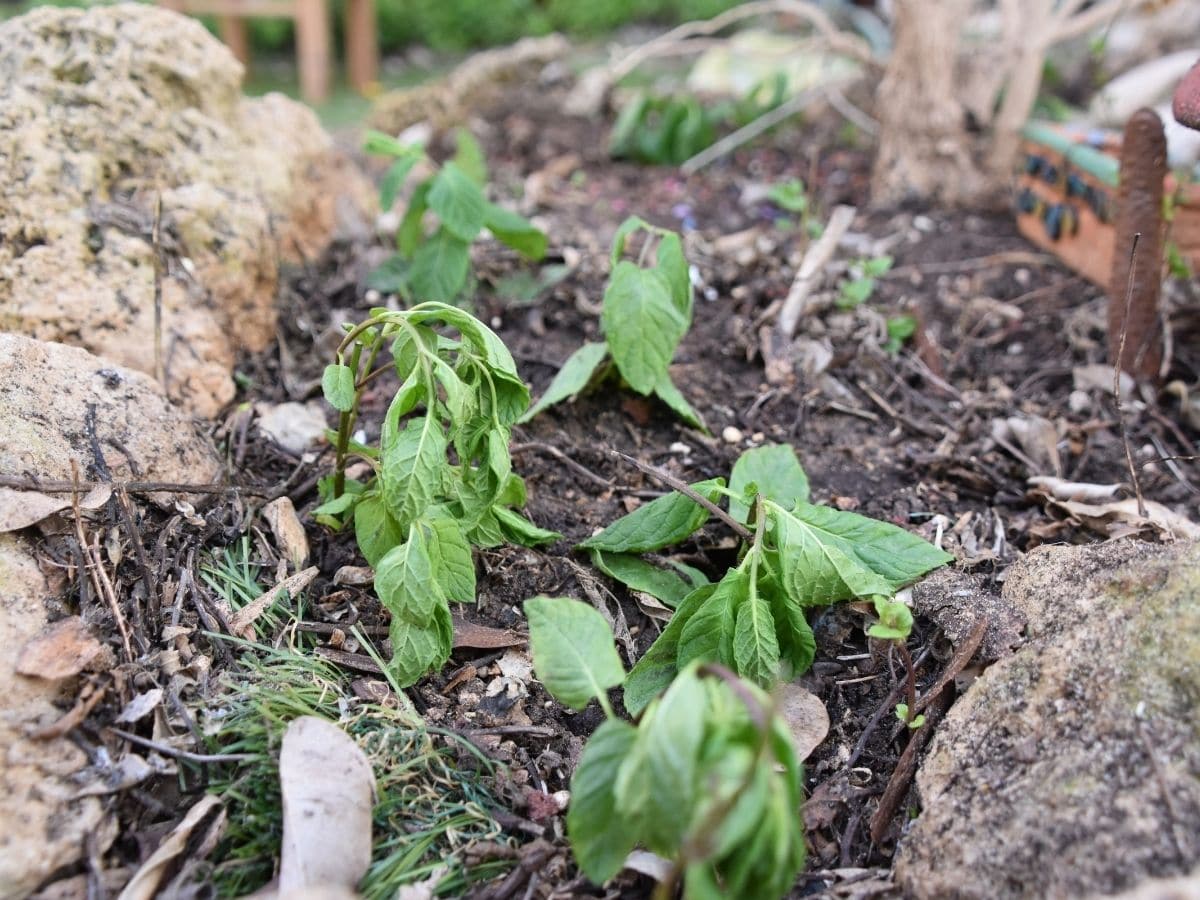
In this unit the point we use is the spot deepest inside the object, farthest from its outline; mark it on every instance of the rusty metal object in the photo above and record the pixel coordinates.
(1133, 306)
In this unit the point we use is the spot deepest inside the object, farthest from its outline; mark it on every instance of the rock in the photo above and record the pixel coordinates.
(56, 398)
(46, 827)
(101, 110)
(954, 599)
(1072, 767)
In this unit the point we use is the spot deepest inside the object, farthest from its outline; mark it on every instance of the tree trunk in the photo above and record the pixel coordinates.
(925, 149)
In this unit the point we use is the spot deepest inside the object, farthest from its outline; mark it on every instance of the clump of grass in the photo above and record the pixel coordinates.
(429, 810)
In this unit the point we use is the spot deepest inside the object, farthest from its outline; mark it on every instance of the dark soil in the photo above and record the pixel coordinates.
(906, 437)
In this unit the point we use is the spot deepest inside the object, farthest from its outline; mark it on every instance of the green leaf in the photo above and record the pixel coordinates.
(628, 227)
(572, 378)
(391, 277)
(440, 266)
(895, 620)
(657, 783)
(411, 233)
(406, 582)
(413, 464)
(515, 231)
(337, 383)
(641, 324)
(877, 266)
(458, 202)
(755, 647)
(661, 522)
(468, 156)
(573, 650)
(600, 837)
(487, 532)
(639, 575)
(626, 126)
(856, 292)
(415, 650)
(708, 635)
(666, 391)
(520, 530)
(673, 264)
(379, 144)
(797, 644)
(828, 555)
(452, 563)
(375, 529)
(394, 178)
(777, 473)
(657, 668)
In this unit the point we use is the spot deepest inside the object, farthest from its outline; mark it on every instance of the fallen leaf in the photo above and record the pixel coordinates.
(289, 533)
(481, 637)
(130, 771)
(242, 622)
(293, 426)
(652, 607)
(805, 715)
(24, 509)
(146, 881)
(425, 889)
(64, 649)
(1099, 377)
(354, 575)
(1061, 489)
(141, 706)
(328, 794)
(1120, 518)
(649, 864)
(1036, 436)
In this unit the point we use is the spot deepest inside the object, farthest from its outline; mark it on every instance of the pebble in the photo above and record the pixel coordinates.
(731, 435)
(680, 448)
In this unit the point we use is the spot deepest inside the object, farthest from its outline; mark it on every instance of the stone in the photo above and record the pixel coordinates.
(46, 824)
(101, 112)
(1072, 767)
(61, 403)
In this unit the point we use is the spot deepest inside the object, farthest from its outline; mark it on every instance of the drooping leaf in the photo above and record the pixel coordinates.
(626, 126)
(439, 267)
(708, 634)
(337, 383)
(415, 650)
(775, 471)
(394, 178)
(452, 563)
(572, 378)
(468, 156)
(411, 232)
(828, 555)
(673, 264)
(458, 202)
(651, 675)
(639, 575)
(573, 650)
(661, 522)
(406, 582)
(377, 143)
(515, 231)
(412, 467)
(666, 391)
(797, 644)
(755, 646)
(520, 530)
(600, 837)
(375, 529)
(641, 324)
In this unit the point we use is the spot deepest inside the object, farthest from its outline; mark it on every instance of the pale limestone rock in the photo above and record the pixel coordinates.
(101, 111)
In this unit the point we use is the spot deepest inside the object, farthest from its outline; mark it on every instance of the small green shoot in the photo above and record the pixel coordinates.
(443, 479)
(858, 288)
(646, 312)
(913, 722)
(899, 329)
(708, 778)
(797, 555)
(895, 624)
(792, 196)
(435, 264)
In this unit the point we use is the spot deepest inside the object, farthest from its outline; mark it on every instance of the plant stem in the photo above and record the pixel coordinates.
(910, 680)
(682, 487)
(345, 424)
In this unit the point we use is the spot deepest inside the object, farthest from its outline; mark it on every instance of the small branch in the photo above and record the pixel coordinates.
(54, 486)
(186, 755)
(675, 484)
(808, 275)
(576, 467)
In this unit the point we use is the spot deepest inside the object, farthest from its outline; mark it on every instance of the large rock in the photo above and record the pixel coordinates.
(61, 403)
(100, 112)
(1072, 767)
(47, 825)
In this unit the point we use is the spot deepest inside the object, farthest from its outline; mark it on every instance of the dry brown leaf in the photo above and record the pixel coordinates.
(425, 889)
(24, 509)
(805, 715)
(242, 622)
(64, 649)
(141, 706)
(328, 793)
(1121, 517)
(289, 533)
(1036, 437)
(1082, 491)
(481, 637)
(146, 882)
(649, 864)
(354, 575)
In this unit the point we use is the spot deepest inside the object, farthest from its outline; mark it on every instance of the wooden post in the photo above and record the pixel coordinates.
(312, 49)
(362, 48)
(233, 35)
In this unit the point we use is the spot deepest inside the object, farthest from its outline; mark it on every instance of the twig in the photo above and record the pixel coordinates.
(571, 464)
(185, 755)
(111, 596)
(1003, 258)
(811, 267)
(888, 704)
(56, 486)
(749, 132)
(682, 487)
(958, 662)
(897, 785)
(1133, 475)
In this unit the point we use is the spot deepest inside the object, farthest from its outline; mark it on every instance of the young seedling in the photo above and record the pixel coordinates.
(794, 555)
(858, 288)
(442, 478)
(708, 777)
(792, 196)
(647, 310)
(435, 265)
(895, 625)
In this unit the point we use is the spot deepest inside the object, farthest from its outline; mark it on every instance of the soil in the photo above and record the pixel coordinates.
(903, 436)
